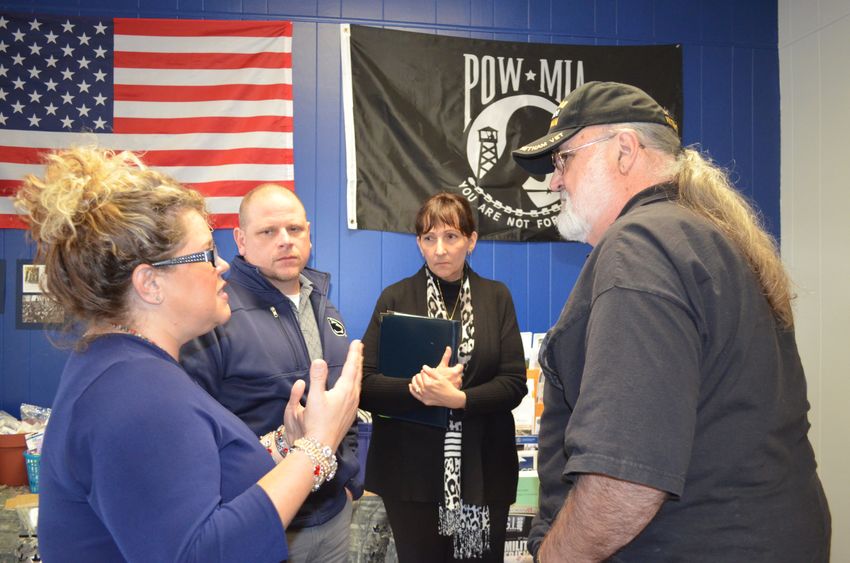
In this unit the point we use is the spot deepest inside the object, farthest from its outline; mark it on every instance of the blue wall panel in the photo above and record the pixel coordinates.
(511, 15)
(731, 90)
(717, 103)
(606, 18)
(576, 17)
(362, 9)
(676, 20)
(411, 11)
(290, 8)
(195, 7)
(451, 12)
(324, 8)
(481, 13)
(361, 262)
(716, 20)
(537, 298)
(742, 118)
(692, 91)
(635, 20)
(511, 266)
(766, 135)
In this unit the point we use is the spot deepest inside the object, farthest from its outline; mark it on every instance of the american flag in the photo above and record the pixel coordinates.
(208, 102)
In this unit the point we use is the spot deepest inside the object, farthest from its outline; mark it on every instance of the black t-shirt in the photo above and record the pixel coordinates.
(666, 368)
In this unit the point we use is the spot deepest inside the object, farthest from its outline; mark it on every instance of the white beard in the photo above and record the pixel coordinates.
(592, 199)
(571, 225)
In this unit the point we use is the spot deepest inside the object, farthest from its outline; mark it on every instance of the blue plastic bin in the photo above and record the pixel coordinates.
(33, 463)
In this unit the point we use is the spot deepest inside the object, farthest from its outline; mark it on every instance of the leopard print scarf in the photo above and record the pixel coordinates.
(467, 524)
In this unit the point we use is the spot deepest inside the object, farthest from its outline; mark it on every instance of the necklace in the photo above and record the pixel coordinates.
(137, 334)
(443, 299)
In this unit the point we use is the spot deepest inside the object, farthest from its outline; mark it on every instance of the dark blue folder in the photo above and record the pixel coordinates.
(407, 343)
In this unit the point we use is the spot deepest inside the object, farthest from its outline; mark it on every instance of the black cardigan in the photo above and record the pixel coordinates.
(405, 460)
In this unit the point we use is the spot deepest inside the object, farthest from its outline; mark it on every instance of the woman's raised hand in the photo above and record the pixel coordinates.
(330, 413)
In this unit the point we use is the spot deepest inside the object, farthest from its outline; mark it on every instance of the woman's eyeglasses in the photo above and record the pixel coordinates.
(203, 256)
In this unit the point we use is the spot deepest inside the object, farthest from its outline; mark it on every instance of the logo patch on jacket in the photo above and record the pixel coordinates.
(336, 326)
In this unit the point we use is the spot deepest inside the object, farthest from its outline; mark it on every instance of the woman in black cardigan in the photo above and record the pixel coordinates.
(432, 518)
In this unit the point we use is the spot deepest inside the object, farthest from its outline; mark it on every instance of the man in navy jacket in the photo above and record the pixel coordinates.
(281, 321)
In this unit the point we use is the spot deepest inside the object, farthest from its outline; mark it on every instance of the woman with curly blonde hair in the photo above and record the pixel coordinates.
(139, 463)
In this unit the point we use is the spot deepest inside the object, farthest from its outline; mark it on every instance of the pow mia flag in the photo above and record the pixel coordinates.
(427, 113)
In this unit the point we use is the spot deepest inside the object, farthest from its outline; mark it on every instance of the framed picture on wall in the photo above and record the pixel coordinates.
(35, 307)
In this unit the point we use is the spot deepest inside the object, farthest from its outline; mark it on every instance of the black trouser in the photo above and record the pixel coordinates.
(415, 526)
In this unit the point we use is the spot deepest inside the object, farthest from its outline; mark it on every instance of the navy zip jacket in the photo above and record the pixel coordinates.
(250, 363)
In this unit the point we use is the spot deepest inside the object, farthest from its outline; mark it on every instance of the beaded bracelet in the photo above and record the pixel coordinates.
(275, 443)
(266, 442)
(280, 441)
(322, 457)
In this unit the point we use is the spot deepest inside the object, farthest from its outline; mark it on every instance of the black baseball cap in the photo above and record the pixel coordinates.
(593, 103)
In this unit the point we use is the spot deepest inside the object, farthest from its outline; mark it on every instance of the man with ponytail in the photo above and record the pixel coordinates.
(675, 421)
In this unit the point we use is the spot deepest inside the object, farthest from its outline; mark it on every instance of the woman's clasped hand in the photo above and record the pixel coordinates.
(440, 385)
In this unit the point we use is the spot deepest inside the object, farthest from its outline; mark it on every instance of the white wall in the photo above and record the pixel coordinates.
(814, 63)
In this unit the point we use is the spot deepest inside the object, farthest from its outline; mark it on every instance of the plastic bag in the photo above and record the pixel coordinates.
(9, 424)
(35, 416)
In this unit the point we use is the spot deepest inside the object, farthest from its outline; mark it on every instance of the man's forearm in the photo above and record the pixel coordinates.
(600, 515)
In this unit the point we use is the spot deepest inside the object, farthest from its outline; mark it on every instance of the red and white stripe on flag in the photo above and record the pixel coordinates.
(208, 102)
